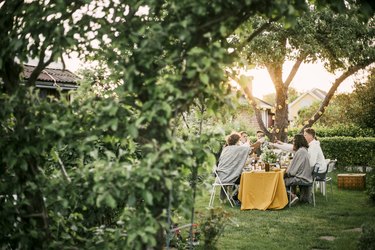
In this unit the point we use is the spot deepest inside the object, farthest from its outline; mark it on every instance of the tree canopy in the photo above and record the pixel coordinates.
(343, 41)
(108, 171)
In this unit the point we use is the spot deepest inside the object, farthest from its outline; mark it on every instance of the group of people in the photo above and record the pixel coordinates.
(308, 156)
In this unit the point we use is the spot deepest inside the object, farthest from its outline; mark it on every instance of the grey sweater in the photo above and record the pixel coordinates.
(231, 162)
(300, 166)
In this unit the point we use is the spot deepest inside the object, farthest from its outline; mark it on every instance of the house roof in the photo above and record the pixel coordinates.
(263, 104)
(51, 75)
(318, 94)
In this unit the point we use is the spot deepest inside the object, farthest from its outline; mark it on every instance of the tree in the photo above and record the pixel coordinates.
(342, 41)
(107, 172)
(364, 96)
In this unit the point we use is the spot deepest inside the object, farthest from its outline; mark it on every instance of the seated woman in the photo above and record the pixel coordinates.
(232, 159)
(299, 171)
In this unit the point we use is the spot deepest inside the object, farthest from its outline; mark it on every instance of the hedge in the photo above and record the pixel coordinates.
(350, 151)
(344, 130)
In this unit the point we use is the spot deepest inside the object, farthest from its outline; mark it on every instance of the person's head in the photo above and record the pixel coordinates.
(309, 134)
(233, 139)
(243, 136)
(260, 134)
(299, 142)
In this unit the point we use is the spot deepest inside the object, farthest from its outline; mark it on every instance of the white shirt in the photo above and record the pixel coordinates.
(316, 156)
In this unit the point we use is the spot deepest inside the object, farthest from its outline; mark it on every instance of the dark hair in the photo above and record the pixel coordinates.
(299, 142)
(233, 139)
(310, 131)
(260, 131)
(243, 132)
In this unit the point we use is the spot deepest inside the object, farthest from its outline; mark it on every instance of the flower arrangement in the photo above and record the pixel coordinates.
(268, 155)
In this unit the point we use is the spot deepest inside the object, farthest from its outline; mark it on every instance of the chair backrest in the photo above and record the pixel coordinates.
(315, 172)
(218, 180)
(331, 165)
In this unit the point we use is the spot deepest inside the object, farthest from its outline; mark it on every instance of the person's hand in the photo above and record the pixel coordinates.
(261, 140)
(279, 142)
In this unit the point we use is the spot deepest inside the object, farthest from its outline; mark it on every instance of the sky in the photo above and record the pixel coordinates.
(309, 76)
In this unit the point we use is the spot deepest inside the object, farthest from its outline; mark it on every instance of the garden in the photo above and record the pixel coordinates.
(125, 160)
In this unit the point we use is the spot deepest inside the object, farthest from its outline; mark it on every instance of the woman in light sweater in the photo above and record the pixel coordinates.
(299, 171)
(316, 157)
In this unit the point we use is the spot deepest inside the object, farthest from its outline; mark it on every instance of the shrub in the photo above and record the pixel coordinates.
(349, 151)
(367, 238)
(370, 182)
(344, 130)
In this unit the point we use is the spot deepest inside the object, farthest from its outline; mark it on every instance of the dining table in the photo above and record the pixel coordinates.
(263, 190)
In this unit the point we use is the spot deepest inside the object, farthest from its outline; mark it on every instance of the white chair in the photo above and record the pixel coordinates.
(324, 179)
(219, 183)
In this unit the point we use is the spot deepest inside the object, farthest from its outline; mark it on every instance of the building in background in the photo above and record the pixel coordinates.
(51, 80)
(305, 100)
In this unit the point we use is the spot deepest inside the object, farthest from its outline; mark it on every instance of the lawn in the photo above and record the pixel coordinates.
(332, 224)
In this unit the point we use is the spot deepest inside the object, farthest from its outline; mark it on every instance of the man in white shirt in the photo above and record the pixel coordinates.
(316, 156)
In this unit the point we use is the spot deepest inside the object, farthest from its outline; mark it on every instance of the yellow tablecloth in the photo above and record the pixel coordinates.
(262, 190)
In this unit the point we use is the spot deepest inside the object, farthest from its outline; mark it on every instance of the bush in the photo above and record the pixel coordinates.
(370, 181)
(349, 151)
(367, 238)
(344, 130)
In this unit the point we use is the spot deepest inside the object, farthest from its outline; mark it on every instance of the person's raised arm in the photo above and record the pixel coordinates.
(283, 146)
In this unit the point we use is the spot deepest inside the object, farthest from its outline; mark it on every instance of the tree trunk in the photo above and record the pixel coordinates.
(280, 129)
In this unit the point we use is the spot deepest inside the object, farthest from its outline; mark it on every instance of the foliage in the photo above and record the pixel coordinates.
(367, 239)
(342, 41)
(349, 151)
(370, 184)
(268, 155)
(104, 171)
(346, 130)
(364, 109)
(213, 226)
(354, 109)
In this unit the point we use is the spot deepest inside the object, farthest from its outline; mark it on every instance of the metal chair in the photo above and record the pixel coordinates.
(314, 174)
(322, 179)
(219, 183)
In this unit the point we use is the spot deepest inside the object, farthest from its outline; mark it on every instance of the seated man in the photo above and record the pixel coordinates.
(232, 160)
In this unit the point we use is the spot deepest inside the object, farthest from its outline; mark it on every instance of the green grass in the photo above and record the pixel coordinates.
(298, 227)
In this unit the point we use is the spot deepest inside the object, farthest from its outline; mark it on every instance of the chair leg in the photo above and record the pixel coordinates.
(313, 194)
(325, 189)
(213, 191)
(290, 196)
(229, 198)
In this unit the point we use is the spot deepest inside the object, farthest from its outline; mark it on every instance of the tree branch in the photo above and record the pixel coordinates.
(330, 93)
(39, 68)
(263, 27)
(252, 101)
(294, 70)
(63, 171)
